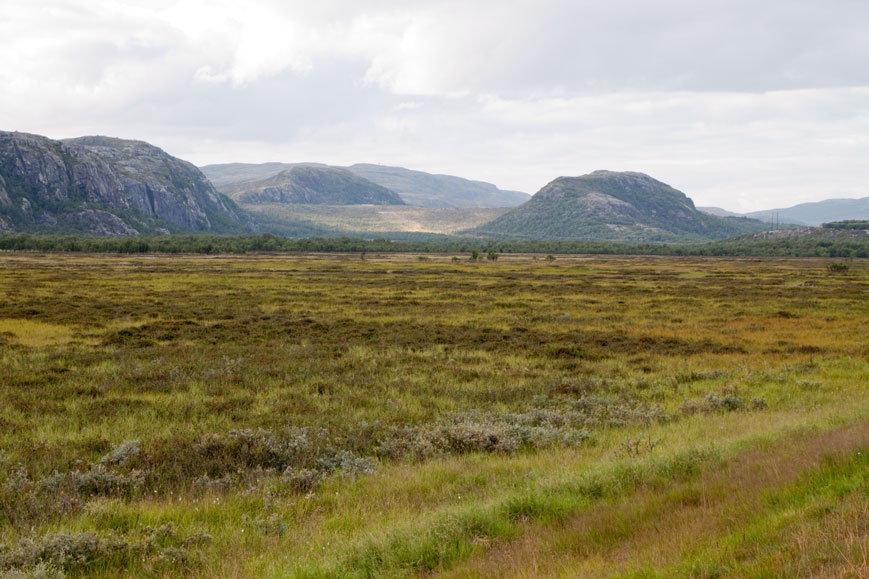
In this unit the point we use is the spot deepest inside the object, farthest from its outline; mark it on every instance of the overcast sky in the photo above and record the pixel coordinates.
(741, 104)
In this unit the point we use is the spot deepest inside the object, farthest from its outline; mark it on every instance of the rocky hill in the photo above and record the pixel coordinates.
(105, 186)
(607, 205)
(313, 185)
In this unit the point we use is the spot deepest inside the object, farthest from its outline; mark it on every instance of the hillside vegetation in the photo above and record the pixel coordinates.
(415, 415)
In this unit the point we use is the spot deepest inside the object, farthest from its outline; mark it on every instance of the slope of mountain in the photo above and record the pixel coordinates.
(105, 186)
(607, 205)
(427, 190)
(818, 212)
(311, 184)
(414, 187)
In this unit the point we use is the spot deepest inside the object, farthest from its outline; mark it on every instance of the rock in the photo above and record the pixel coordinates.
(79, 183)
(98, 223)
(5, 201)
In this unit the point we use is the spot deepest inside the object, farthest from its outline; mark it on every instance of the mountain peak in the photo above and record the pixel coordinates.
(627, 186)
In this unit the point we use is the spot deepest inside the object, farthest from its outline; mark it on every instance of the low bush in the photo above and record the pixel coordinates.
(157, 550)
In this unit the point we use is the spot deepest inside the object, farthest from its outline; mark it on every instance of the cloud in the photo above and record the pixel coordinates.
(520, 46)
(741, 104)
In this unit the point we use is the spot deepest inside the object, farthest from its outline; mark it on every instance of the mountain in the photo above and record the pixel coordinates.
(414, 187)
(818, 212)
(313, 185)
(719, 212)
(105, 186)
(223, 174)
(606, 205)
(427, 190)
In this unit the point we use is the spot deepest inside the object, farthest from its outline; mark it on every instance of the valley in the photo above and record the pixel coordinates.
(364, 219)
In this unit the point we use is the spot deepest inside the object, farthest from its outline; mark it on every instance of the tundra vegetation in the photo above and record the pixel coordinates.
(322, 415)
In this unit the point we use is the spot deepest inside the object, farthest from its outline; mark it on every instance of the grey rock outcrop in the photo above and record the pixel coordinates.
(98, 222)
(105, 186)
(5, 201)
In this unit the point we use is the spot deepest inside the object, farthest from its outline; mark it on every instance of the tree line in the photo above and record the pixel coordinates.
(790, 246)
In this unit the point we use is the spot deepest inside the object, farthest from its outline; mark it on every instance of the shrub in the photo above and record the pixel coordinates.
(475, 431)
(158, 549)
(347, 463)
(302, 479)
(759, 404)
(121, 454)
(714, 403)
(41, 570)
(470, 436)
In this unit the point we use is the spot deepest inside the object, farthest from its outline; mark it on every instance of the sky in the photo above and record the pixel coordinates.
(745, 105)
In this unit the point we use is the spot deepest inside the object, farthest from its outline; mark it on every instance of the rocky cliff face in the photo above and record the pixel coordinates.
(105, 186)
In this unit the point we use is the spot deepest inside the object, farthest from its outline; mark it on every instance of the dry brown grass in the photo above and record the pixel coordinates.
(837, 546)
(656, 528)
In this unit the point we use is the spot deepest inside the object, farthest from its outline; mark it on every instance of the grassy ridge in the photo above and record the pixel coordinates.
(320, 415)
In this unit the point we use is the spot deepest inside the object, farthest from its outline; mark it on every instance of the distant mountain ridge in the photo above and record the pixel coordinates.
(818, 212)
(414, 187)
(105, 186)
(429, 190)
(223, 174)
(719, 212)
(613, 206)
(314, 185)
(814, 213)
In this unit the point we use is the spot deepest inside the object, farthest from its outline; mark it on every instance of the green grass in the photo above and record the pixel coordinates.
(318, 415)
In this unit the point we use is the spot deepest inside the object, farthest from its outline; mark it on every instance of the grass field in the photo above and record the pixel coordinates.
(403, 415)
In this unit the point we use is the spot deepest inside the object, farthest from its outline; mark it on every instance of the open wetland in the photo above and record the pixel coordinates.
(383, 415)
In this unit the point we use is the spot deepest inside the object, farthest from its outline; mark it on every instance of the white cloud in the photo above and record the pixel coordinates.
(745, 104)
